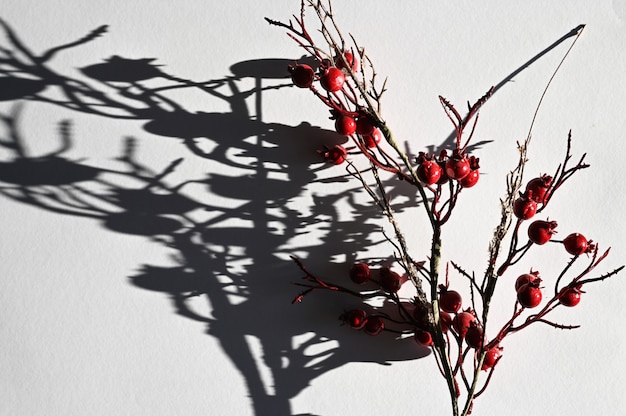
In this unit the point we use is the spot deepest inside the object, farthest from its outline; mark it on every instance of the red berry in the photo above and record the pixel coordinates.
(457, 167)
(429, 172)
(445, 321)
(332, 80)
(390, 281)
(371, 140)
(492, 357)
(349, 58)
(539, 187)
(462, 322)
(529, 295)
(374, 325)
(570, 296)
(335, 155)
(423, 337)
(356, 318)
(540, 232)
(471, 179)
(345, 125)
(444, 176)
(576, 244)
(449, 300)
(524, 207)
(360, 273)
(474, 336)
(526, 278)
(302, 75)
(364, 125)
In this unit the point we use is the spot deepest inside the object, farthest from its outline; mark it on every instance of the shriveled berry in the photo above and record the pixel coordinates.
(356, 318)
(529, 295)
(526, 278)
(423, 337)
(525, 207)
(302, 75)
(332, 79)
(570, 296)
(492, 357)
(374, 325)
(360, 273)
(540, 232)
(462, 321)
(371, 140)
(345, 125)
(389, 280)
(539, 188)
(576, 244)
(449, 300)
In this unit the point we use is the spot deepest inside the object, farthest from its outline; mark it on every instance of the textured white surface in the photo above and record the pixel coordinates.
(77, 337)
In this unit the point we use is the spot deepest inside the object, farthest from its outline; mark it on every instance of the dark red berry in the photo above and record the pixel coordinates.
(360, 273)
(444, 176)
(374, 325)
(423, 337)
(449, 300)
(389, 280)
(570, 296)
(540, 232)
(526, 278)
(492, 357)
(364, 125)
(457, 167)
(332, 79)
(474, 336)
(529, 295)
(539, 188)
(576, 244)
(345, 125)
(356, 318)
(462, 322)
(445, 321)
(302, 75)
(371, 140)
(525, 207)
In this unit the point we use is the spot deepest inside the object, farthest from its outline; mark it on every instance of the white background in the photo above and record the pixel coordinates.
(89, 322)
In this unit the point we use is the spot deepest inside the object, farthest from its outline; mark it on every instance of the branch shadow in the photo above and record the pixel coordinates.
(233, 255)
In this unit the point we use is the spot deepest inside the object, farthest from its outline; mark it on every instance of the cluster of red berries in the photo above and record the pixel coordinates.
(359, 319)
(465, 325)
(388, 280)
(437, 171)
(462, 323)
(332, 78)
(529, 295)
(540, 232)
